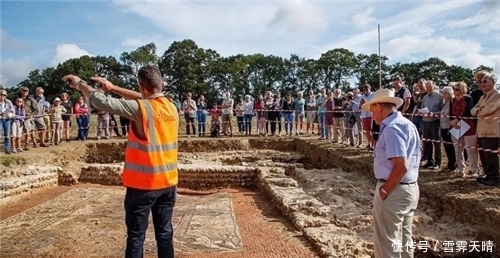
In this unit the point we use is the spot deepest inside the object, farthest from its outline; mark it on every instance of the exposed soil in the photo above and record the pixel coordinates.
(264, 233)
(340, 177)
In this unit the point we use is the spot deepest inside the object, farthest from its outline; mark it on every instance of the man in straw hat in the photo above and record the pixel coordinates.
(395, 164)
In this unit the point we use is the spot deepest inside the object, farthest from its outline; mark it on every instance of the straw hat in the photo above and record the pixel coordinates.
(383, 96)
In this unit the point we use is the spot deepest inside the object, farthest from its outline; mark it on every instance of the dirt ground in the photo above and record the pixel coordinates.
(95, 226)
(341, 177)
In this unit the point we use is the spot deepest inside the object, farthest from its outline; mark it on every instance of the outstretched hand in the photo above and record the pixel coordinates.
(72, 80)
(105, 85)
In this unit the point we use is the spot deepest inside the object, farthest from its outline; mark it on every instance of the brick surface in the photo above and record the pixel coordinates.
(265, 234)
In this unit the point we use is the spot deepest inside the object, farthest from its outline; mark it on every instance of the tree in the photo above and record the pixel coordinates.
(187, 67)
(368, 70)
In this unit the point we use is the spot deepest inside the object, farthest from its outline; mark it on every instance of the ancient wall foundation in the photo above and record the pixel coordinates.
(23, 180)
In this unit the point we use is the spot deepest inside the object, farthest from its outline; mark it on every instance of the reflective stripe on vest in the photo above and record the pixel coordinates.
(151, 164)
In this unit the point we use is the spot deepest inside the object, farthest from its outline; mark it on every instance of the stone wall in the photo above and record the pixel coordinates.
(24, 180)
(190, 176)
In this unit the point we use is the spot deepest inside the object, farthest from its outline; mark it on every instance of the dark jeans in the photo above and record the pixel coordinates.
(417, 121)
(241, 123)
(190, 124)
(431, 133)
(83, 127)
(124, 123)
(275, 118)
(449, 149)
(489, 159)
(202, 120)
(248, 124)
(113, 125)
(138, 204)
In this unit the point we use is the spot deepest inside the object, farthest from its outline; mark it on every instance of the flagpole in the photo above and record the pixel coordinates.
(379, 61)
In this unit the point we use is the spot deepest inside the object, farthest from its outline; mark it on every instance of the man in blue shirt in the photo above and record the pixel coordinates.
(395, 164)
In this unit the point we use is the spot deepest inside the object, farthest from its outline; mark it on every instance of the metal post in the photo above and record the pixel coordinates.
(379, 61)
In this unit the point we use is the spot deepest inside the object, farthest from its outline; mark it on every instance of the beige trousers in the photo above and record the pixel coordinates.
(393, 220)
(338, 128)
(469, 141)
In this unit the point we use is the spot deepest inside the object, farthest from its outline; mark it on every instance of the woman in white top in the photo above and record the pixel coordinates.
(189, 108)
(248, 114)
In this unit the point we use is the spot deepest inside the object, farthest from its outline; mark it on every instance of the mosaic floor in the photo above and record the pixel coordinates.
(91, 222)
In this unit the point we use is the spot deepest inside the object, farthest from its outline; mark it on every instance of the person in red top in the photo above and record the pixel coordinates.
(215, 123)
(460, 110)
(82, 118)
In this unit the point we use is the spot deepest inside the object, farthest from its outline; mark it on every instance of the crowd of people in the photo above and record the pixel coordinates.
(465, 124)
(394, 123)
(449, 116)
(31, 116)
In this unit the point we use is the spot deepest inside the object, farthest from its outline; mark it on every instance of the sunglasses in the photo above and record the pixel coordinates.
(484, 81)
(456, 89)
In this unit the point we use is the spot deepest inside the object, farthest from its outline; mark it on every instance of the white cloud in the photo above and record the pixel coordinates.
(485, 20)
(414, 20)
(13, 71)
(236, 27)
(299, 18)
(466, 53)
(406, 46)
(365, 18)
(135, 42)
(67, 51)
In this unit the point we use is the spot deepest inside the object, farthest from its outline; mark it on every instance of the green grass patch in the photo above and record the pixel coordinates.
(10, 161)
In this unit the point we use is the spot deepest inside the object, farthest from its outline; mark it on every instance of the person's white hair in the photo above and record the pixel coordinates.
(448, 89)
(491, 77)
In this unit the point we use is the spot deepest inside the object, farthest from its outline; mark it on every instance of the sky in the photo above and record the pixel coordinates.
(39, 34)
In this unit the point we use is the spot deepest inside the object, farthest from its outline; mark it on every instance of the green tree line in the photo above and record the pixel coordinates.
(189, 68)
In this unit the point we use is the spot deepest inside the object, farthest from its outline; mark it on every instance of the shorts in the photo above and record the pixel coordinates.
(226, 117)
(299, 116)
(46, 121)
(367, 124)
(28, 125)
(17, 129)
(66, 117)
(311, 115)
(39, 123)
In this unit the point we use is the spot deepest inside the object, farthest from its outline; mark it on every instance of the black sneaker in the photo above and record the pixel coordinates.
(489, 182)
(428, 165)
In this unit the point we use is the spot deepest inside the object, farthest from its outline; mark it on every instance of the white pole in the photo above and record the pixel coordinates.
(379, 61)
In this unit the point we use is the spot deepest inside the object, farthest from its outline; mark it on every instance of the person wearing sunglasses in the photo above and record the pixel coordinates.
(488, 130)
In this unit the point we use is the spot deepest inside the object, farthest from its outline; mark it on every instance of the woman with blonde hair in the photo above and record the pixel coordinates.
(461, 111)
(449, 149)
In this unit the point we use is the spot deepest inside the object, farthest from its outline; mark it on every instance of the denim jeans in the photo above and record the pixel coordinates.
(321, 122)
(201, 116)
(83, 124)
(241, 123)
(5, 127)
(138, 205)
(417, 121)
(248, 123)
(288, 122)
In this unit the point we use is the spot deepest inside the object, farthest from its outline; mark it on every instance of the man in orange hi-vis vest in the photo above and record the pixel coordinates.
(150, 170)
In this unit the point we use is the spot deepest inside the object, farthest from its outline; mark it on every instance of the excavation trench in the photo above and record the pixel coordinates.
(326, 194)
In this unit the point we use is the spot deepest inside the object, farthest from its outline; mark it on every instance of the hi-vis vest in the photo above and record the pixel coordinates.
(151, 163)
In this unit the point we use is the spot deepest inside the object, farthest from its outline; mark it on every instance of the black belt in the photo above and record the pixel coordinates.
(401, 183)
